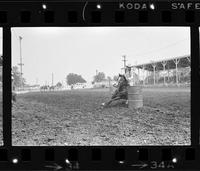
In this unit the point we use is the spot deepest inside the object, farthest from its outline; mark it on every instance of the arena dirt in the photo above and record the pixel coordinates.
(1, 119)
(75, 118)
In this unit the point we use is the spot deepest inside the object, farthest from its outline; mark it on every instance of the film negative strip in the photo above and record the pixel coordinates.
(107, 85)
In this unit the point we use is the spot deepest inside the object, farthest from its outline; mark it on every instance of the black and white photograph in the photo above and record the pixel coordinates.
(100, 86)
(1, 85)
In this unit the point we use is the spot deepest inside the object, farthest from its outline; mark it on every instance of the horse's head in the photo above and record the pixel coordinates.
(122, 79)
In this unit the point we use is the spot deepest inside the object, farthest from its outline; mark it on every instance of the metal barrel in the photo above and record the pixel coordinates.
(135, 98)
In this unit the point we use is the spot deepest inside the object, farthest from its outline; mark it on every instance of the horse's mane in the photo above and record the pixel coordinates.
(126, 81)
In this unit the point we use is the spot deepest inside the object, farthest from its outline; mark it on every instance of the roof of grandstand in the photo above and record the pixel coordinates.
(183, 61)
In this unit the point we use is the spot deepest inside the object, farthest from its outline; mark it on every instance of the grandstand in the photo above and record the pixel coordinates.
(172, 71)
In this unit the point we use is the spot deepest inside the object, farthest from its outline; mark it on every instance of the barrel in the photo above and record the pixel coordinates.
(135, 98)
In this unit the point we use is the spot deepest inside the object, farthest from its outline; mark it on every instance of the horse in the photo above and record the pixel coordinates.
(121, 92)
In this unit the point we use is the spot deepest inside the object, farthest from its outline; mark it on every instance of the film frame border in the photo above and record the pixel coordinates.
(70, 14)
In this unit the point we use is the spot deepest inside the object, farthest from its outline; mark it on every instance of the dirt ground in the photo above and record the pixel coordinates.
(1, 120)
(75, 118)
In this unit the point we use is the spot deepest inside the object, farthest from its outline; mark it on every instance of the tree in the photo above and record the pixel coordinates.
(109, 78)
(18, 80)
(74, 78)
(115, 78)
(99, 77)
(59, 85)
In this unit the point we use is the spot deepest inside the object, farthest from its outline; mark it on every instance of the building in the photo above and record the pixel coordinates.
(169, 71)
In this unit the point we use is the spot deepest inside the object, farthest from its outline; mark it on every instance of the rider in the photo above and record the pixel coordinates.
(121, 92)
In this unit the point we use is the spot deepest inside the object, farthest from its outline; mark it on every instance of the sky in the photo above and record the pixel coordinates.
(83, 50)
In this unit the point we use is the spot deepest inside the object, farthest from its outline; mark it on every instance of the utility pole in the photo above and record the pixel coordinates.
(95, 79)
(21, 64)
(52, 79)
(124, 61)
(110, 88)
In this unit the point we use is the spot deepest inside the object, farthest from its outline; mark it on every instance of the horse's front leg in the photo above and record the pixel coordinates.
(112, 100)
